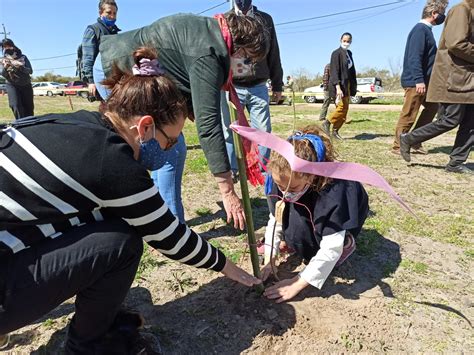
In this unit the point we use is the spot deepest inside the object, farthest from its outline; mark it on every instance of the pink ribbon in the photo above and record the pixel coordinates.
(337, 170)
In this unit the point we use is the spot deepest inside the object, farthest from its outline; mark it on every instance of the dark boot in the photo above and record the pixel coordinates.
(405, 147)
(335, 134)
(460, 169)
(326, 126)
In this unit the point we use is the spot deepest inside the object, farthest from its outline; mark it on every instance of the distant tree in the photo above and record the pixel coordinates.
(50, 76)
(304, 79)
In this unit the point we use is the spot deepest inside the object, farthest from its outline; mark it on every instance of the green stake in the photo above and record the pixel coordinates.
(246, 199)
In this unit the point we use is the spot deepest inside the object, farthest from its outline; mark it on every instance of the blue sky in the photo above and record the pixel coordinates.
(46, 28)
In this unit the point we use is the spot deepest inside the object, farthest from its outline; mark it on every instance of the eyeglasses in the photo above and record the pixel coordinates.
(171, 142)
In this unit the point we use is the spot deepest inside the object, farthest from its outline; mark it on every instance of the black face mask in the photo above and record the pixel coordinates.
(440, 19)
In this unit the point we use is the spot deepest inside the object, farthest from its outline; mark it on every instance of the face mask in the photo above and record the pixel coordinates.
(151, 156)
(107, 21)
(345, 45)
(440, 19)
(292, 197)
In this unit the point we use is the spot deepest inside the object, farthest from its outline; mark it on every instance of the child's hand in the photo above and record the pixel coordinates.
(267, 270)
(286, 289)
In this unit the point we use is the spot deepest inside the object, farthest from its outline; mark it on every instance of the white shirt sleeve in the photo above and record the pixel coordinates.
(276, 239)
(321, 265)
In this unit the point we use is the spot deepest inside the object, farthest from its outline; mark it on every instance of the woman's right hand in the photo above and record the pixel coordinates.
(235, 273)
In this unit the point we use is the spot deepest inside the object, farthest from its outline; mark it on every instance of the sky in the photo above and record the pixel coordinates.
(48, 28)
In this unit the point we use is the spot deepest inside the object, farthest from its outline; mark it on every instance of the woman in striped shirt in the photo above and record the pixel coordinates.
(76, 200)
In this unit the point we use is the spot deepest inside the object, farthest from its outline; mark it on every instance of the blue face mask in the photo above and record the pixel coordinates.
(151, 156)
(107, 21)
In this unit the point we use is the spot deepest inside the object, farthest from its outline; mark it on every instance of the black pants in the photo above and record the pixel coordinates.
(20, 100)
(95, 262)
(449, 117)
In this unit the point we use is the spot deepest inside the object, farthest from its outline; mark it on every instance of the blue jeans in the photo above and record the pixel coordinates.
(169, 177)
(256, 100)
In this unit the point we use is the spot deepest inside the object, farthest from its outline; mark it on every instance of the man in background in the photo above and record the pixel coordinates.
(327, 98)
(452, 86)
(420, 52)
(105, 25)
(250, 82)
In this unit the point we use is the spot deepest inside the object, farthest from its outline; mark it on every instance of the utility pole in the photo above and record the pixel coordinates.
(4, 33)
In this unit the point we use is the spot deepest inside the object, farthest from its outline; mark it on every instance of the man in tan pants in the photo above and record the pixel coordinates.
(420, 52)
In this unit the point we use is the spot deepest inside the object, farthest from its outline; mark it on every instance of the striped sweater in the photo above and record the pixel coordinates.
(71, 169)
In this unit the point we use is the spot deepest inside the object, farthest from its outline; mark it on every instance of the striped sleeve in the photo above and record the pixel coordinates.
(136, 200)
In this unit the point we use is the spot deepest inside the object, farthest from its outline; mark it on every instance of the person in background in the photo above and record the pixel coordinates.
(452, 86)
(420, 52)
(194, 53)
(343, 85)
(250, 78)
(16, 69)
(317, 217)
(327, 97)
(105, 25)
(78, 202)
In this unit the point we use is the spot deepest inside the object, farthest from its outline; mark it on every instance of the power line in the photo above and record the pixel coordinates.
(340, 13)
(209, 9)
(54, 68)
(344, 22)
(58, 56)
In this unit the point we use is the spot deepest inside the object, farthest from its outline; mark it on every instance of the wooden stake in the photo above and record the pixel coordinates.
(246, 199)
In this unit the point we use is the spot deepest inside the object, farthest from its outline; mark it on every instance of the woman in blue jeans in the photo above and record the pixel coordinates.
(193, 51)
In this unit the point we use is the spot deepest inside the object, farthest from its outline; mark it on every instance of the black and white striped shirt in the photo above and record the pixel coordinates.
(71, 169)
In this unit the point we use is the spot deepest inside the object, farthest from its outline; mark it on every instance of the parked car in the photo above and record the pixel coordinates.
(76, 87)
(47, 88)
(368, 89)
(3, 86)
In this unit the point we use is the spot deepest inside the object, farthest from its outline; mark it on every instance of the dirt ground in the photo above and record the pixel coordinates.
(407, 289)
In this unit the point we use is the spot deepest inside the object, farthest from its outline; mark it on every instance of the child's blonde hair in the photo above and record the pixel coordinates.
(304, 149)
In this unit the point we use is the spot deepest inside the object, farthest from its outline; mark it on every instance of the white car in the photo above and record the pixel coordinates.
(368, 89)
(47, 88)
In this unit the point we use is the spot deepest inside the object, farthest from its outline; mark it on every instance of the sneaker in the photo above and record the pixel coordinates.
(404, 148)
(4, 341)
(419, 150)
(460, 169)
(348, 249)
(336, 135)
(261, 246)
(325, 126)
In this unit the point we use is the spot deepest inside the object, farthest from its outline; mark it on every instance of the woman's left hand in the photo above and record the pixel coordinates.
(235, 273)
(285, 290)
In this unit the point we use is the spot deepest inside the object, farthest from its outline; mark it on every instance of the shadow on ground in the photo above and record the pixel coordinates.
(375, 259)
(259, 213)
(369, 136)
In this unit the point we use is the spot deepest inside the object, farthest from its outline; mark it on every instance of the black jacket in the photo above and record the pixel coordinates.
(340, 74)
(270, 67)
(18, 75)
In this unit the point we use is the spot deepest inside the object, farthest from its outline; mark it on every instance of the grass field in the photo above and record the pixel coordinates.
(407, 289)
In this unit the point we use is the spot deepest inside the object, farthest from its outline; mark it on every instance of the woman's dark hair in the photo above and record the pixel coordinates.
(102, 4)
(7, 42)
(139, 95)
(346, 34)
(250, 34)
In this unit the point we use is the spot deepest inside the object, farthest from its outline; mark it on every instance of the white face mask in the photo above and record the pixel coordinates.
(345, 45)
(292, 197)
(239, 12)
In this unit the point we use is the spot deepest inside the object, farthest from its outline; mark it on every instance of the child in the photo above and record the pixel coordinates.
(318, 218)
